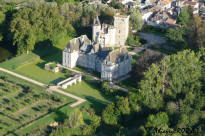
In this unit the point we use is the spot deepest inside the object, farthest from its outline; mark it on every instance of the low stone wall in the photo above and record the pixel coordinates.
(48, 67)
(70, 81)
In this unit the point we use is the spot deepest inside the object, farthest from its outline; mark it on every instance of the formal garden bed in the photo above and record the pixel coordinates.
(22, 103)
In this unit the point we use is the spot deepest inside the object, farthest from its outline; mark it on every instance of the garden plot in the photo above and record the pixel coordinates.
(22, 103)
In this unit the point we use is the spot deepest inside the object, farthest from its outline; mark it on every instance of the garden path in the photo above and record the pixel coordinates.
(53, 88)
(96, 78)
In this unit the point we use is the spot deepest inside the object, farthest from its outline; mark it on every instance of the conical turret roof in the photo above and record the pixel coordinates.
(96, 21)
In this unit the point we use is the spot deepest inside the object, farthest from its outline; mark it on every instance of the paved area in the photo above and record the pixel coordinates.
(152, 39)
(53, 88)
(137, 50)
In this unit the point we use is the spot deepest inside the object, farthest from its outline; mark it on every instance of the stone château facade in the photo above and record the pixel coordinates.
(98, 55)
(111, 35)
(112, 64)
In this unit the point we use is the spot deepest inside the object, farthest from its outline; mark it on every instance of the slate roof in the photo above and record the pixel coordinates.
(117, 56)
(84, 45)
(80, 43)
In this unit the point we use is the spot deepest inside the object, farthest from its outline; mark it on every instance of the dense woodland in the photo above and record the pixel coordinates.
(170, 92)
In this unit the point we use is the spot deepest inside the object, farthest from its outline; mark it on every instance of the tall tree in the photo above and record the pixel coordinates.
(32, 25)
(196, 33)
(185, 16)
(174, 77)
(2, 24)
(136, 19)
(111, 115)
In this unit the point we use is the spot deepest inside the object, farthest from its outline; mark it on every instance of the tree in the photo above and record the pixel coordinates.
(134, 102)
(24, 39)
(159, 120)
(144, 62)
(33, 25)
(176, 35)
(6, 12)
(2, 24)
(123, 105)
(62, 131)
(196, 33)
(133, 40)
(184, 17)
(116, 5)
(136, 19)
(91, 129)
(76, 119)
(176, 74)
(60, 2)
(110, 115)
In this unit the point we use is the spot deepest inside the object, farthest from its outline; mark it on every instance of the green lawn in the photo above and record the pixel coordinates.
(32, 64)
(19, 61)
(89, 91)
(80, 69)
(36, 71)
(129, 83)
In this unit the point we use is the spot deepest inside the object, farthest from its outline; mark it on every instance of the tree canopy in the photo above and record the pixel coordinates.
(170, 96)
(136, 19)
(32, 25)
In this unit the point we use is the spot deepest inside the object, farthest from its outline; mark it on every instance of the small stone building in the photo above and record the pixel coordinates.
(48, 67)
(112, 64)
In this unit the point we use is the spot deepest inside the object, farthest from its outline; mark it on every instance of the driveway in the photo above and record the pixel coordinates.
(152, 39)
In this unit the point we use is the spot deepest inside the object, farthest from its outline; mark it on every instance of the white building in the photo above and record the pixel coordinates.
(112, 64)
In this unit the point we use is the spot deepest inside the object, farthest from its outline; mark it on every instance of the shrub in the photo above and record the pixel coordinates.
(133, 40)
(52, 66)
(75, 119)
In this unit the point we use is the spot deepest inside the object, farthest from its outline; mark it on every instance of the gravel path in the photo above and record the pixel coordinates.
(53, 88)
(152, 39)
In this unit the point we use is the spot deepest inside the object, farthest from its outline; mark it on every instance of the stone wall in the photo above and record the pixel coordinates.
(87, 61)
(111, 72)
(70, 59)
(122, 30)
(115, 36)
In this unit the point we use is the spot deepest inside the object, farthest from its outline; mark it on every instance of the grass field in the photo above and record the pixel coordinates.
(32, 64)
(37, 71)
(22, 102)
(89, 91)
